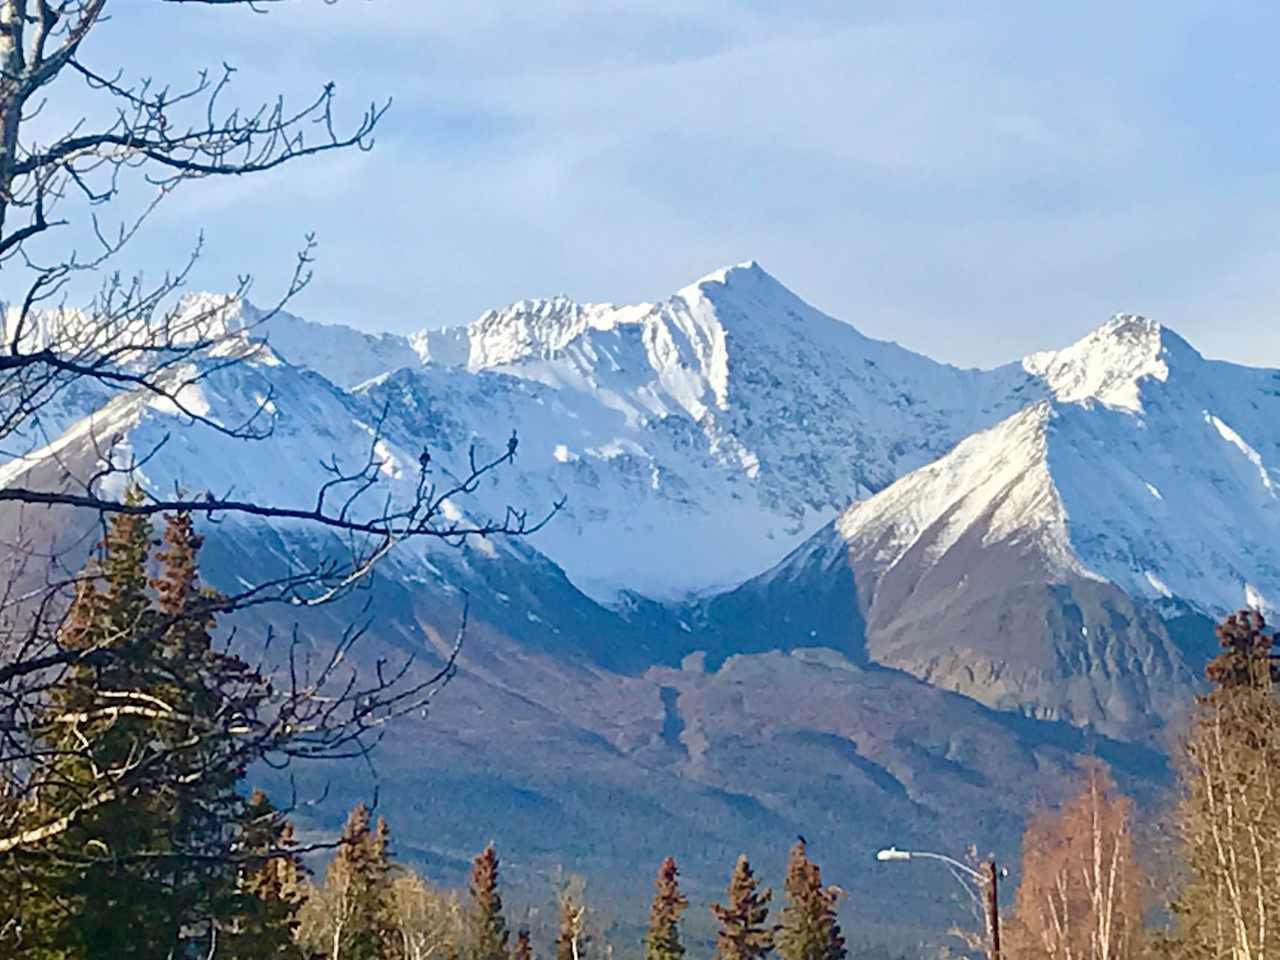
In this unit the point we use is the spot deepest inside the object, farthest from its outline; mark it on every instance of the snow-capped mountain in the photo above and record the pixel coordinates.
(699, 439)
(696, 439)
(1063, 562)
(1148, 467)
(764, 510)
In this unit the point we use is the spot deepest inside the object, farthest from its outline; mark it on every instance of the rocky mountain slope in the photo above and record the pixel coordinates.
(1060, 561)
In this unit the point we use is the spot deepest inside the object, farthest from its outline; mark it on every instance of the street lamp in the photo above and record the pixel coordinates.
(986, 878)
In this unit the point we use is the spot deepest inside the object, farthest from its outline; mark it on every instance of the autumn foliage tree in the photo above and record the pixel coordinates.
(428, 921)
(744, 933)
(662, 940)
(1080, 892)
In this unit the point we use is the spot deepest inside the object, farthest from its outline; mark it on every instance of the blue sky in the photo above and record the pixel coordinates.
(975, 181)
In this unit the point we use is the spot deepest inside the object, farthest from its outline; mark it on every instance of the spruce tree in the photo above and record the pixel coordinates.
(523, 949)
(126, 549)
(486, 928)
(809, 930)
(662, 941)
(269, 888)
(205, 689)
(143, 872)
(743, 934)
(119, 901)
(358, 887)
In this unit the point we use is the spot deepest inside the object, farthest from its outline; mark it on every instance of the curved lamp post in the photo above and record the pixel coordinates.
(987, 878)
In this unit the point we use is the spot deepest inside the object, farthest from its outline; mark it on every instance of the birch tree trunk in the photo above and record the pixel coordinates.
(1079, 895)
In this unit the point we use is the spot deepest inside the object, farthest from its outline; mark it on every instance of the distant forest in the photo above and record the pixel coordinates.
(128, 830)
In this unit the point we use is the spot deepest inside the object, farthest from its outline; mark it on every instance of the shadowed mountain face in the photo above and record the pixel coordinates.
(805, 582)
(987, 622)
(603, 740)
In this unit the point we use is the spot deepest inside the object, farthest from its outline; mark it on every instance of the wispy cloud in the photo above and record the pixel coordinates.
(974, 180)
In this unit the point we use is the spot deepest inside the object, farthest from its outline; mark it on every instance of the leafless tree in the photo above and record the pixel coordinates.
(1079, 898)
(1229, 826)
(140, 342)
(132, 337)
(429, 921)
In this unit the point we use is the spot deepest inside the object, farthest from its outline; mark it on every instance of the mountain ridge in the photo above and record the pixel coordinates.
(734, 406)
(804, 580)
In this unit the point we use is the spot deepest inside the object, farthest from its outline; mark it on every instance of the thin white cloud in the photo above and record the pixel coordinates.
(969, 180)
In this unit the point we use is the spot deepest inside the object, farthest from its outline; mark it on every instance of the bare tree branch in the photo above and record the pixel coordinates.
(138, 343)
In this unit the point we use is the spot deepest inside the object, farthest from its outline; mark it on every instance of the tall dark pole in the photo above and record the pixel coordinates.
(993, 909)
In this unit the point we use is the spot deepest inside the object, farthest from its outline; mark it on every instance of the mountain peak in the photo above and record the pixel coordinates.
(745, 277)
(747, 269)
(535, 328)
(540, 329)
(1109, 364)
(1129, 325)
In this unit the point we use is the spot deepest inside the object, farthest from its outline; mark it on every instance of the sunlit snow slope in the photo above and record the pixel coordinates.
(696, 440)
(699, 439)
(1148, 466)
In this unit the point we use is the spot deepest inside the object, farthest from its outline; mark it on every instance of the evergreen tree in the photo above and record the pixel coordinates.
(107, 712)
(523, 950)
(809, 930)
(486, 928)
(1246, 662)
(743, 934)
(206, 690)
(143, 763)
(357, 890)
(662, 941)
(269, 888)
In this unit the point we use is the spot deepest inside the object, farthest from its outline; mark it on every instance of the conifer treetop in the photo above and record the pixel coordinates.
(1248, 659)
(488, 934)
(809, 930)
(523, 949)
(744, 933)
(662, 941)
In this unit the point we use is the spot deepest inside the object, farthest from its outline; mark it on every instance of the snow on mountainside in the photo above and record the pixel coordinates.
(1150, 467)
(699, 439)
(345, 356)
(1107, 366)
(696, 439)
(998, 479)
(753, 416)
(1049, 563)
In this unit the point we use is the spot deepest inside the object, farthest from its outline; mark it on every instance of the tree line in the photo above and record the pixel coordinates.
(185, 861)
(367, 907)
